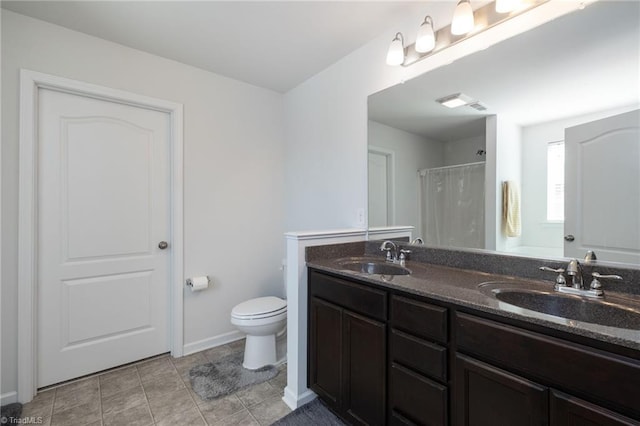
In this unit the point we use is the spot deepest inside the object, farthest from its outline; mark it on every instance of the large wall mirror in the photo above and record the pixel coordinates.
(543, 158)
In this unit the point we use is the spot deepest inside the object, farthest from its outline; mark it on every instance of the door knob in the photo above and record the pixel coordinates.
(163, 245)
(569, 237)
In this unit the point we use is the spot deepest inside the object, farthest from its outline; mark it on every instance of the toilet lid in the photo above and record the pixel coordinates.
(259, 306)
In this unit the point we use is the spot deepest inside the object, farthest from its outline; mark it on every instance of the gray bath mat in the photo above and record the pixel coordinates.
(314, 413)
(224, 377)
(11, 414)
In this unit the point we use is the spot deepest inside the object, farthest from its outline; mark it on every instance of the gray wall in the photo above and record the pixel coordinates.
(464, 150)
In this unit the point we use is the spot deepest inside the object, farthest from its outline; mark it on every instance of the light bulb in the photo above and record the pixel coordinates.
(463, 21)
(426, 40)
(395, 54)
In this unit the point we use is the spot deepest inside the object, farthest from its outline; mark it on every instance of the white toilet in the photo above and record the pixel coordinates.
(260, 319)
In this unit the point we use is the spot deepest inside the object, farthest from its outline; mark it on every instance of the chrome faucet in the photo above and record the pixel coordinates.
(394, 253)
(417, 240)
(574, 273)
(392, 250)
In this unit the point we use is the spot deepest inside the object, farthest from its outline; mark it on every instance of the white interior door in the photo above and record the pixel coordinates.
(378, 170)
(602, 188)
(103, 208)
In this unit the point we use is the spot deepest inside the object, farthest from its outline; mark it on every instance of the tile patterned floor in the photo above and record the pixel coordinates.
(158, 392)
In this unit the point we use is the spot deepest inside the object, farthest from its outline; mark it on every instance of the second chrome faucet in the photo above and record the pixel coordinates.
(575, 276)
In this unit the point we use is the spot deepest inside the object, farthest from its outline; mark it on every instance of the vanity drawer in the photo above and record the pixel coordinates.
(606, 379)
(426, 358)
(356, 297)
(415, 399)
(419, 318)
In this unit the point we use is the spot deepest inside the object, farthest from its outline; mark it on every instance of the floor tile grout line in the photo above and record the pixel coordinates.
(188, 392)
(146, 398)
(253, 417)
(53, 402)
(100, 401)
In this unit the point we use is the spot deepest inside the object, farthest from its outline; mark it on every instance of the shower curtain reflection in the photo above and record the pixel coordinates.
(452, 205)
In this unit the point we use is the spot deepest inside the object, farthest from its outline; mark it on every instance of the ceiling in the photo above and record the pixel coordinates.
(580, 63)
(271, 44)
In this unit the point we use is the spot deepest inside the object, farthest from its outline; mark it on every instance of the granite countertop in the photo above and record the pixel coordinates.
(460, 287)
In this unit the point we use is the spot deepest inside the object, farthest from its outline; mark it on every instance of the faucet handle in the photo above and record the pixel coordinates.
(597, 285)
(547, 269)
(590, 256)
(403, 256)
(560, 280)
(388, 250)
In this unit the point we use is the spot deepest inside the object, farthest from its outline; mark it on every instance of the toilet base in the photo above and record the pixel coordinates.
(259, 351)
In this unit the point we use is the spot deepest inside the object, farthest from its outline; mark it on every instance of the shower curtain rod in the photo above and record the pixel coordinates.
(421, 171)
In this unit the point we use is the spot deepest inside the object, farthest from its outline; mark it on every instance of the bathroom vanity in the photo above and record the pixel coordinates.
(433, 348)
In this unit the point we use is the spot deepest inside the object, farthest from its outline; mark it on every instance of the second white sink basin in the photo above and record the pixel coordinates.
(609, 311)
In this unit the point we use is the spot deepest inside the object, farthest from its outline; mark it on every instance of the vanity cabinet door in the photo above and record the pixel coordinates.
(486, 395)
(325, 351)
(567, 410)
(347, 362)
(364, 369)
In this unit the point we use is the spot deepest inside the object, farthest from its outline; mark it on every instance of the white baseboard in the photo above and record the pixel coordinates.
(296, 401)
(8, 398)
(212, 342)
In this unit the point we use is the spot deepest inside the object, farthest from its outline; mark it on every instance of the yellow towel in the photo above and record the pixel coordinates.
(511, 209)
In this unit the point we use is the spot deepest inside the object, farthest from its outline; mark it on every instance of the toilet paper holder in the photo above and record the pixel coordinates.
(190, 281)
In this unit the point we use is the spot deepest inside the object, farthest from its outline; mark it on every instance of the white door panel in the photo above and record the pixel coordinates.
(602, 188)
(102, 209)
(89, 306)
(103, 154)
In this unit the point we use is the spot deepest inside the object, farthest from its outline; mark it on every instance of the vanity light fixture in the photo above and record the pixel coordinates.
(506, 6)
(426, 40)
(463, 21)
(466, 23)
(455, 100)
(395, 54)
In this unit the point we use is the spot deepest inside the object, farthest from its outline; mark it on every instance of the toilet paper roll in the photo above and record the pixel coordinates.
(198, 283)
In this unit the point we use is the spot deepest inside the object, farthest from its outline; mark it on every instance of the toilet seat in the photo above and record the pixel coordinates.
(259, 308)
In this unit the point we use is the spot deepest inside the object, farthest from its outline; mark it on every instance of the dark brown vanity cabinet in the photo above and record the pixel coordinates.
(377, 358)
(418, 392)
(505, 375)
(347, 348)
(381, 356)
(486, 395)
